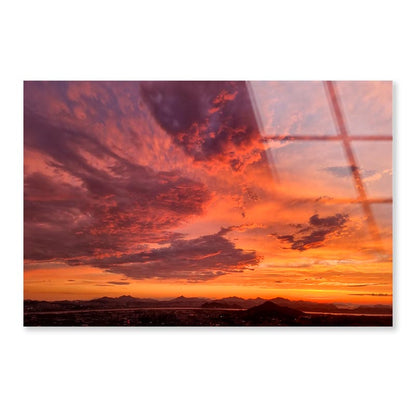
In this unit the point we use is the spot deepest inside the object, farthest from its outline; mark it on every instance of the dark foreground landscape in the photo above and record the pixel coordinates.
(129, 311)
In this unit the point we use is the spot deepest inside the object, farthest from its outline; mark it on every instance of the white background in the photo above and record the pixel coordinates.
(207, 371)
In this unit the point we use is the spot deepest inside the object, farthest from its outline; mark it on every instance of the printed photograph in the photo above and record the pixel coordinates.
(208, 203)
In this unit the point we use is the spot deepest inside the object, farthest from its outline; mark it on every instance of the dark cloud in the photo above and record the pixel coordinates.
(346, 171)
(133, 209)
(118, 283)
(331, 222)
(210, 121)
(197, 259)
(286, 238)
(315, 233)
(339, 171)
(370, 294)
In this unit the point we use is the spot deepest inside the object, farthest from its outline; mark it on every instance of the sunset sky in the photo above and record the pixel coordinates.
(162, 189)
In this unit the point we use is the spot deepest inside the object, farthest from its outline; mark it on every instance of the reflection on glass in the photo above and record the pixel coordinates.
(292, 108)
(367, 107)
(375, 163)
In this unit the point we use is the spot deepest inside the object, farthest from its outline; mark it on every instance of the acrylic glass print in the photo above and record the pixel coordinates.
(208, 203)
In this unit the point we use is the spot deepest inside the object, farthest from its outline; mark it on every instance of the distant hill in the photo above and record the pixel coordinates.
(184, 302)
(220, 305)
(270, 309)
(243, 303)
(232, 302)
(372, 309)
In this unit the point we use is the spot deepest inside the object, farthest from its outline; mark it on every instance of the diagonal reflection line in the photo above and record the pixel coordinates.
(359, 185)
(271, 157)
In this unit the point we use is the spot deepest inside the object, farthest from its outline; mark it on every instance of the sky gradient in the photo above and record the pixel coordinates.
(161, 189)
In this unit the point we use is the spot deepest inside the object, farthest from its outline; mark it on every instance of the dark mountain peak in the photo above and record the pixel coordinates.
(266, 306)
(180, 299)
(102, 299)
(279, 299)
(270, 308)
(230, 298)
(185, 299)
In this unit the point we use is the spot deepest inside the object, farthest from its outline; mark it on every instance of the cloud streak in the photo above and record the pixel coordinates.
(346, 171)
(315, 233)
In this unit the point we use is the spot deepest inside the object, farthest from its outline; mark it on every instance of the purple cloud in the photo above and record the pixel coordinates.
(197, 259)
(212, 121)
(315, 233)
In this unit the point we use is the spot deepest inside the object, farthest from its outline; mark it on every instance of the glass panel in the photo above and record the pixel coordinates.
(374, 161)
(313, 169)
(292, 108)
(367, 106)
